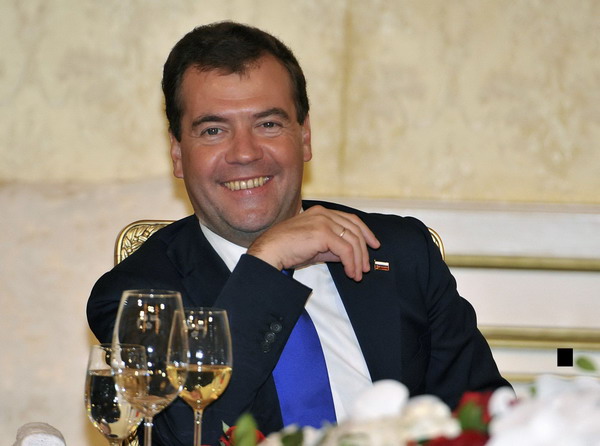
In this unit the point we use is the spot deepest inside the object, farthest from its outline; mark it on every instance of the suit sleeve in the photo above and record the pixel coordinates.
(263, 305)
(460, 358)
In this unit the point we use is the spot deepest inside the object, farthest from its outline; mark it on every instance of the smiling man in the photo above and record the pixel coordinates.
(303, 346)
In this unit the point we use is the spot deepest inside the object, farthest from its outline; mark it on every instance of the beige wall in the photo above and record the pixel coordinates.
(448, 101)
(463, 100)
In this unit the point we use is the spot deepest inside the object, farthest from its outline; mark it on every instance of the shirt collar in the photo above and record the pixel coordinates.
(229, 252)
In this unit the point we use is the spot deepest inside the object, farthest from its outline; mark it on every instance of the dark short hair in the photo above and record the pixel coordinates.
(231, 47)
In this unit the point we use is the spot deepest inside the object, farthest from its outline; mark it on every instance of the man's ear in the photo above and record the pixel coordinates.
(176, 156)
(306, 139)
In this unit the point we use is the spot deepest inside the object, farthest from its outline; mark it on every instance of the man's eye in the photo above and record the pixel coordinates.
(212, 131)
(269, 125)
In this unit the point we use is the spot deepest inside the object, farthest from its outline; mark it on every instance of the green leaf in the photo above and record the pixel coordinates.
(470, 417)
(585, 363)
(295, 438)
(245, 432)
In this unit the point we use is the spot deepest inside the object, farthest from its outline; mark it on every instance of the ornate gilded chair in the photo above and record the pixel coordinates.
(133, 235)
(438, 241)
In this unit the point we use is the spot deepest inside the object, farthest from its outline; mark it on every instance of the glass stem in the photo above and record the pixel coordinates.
(147, 431)
(197, 427)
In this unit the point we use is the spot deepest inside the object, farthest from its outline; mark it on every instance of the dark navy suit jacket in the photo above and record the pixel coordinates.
(410, 322)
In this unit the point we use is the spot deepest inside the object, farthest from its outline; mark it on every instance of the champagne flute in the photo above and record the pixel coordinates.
(109, 412)
(209, 370)
(154, 319)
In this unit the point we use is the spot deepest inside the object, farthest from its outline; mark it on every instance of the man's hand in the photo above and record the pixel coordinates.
(318, 235)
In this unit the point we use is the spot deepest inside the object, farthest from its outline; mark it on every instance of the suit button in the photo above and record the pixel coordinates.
(269, 337)
(266, 346)
(276, 327)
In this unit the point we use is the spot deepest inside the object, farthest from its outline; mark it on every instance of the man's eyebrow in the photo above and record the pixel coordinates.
(207, 118)
(275, 111)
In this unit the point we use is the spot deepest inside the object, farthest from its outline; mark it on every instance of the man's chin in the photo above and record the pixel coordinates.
(256, 221)
(251, 230)
(244, 226)
(241, 232)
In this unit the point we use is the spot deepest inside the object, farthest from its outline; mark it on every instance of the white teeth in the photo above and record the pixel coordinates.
(246, 184)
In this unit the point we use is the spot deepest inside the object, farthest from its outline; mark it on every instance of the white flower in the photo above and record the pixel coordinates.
(385, 398)
(427, 416)
(563, 412)
(501, 401)
(384, 414)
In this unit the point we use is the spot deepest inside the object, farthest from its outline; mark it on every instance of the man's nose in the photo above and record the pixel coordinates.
(245, 148)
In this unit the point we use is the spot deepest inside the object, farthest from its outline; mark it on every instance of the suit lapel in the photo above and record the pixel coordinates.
(203, 272)
(373, 303)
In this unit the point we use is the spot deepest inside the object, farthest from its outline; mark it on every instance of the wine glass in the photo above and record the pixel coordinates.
(110, 413)
(210, 361)
(154, 319)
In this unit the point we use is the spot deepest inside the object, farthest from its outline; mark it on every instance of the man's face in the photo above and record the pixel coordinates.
(242, 151)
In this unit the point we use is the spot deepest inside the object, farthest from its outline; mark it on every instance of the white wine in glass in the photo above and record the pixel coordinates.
(109, 411)
(154, 319)
(210, 362)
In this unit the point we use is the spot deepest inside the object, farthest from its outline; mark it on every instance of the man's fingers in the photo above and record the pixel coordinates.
(349, 241)
(317, 235)
(350, 247)
(357, 233)
(357, 253)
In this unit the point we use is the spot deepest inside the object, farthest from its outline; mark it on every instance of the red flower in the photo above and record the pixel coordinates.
(479, 399)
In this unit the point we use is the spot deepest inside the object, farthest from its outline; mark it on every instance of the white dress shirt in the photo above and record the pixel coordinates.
(346, 366)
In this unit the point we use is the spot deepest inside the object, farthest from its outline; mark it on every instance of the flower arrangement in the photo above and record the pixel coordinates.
(559, 412)
(385, 415)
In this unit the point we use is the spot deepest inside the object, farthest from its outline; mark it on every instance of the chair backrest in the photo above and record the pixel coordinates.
(438, 241)
(133, 235)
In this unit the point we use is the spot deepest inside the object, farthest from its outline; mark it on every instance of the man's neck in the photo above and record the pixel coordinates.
(229, 252)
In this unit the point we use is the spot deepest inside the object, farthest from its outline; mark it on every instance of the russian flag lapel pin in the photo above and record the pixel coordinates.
(380, 265)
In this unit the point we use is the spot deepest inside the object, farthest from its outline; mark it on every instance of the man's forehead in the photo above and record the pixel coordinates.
(218, 83)
(243, 70)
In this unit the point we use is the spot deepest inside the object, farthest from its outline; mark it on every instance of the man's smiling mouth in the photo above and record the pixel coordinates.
(246, 184)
